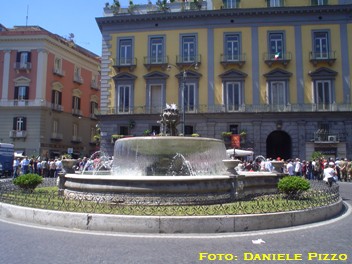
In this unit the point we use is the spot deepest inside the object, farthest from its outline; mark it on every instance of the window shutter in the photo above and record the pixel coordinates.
(60, 98)
(24, 123)
(18, 57)
(16, 93)
(26, 96)
(14, 125)
(53, 96)
(29, 57)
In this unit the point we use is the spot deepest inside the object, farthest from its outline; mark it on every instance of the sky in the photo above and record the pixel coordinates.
(60, 17)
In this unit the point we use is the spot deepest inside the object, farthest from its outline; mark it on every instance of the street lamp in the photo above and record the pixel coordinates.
(183, 101)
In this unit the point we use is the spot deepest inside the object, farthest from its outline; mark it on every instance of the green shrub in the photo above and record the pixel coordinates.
(293, 185)
(28, 181)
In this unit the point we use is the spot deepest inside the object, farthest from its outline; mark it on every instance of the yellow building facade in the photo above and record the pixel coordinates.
(277, 71)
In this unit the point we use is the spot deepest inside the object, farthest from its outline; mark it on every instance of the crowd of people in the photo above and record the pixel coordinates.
(328, 169)
(47, 167)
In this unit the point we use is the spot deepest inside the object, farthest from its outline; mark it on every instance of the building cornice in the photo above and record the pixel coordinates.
(234, 13)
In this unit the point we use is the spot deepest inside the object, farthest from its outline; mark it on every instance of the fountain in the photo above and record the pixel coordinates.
(166, 169)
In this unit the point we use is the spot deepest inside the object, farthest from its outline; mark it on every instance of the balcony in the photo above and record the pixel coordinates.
(187, 61)
(23, 66)
(94, 85)
(56, 136)
(322, 57)
(322, 136)
(243, 108)
(233, 59)
(57, 107)
(76, 139)
(59, 72)
(18, 134)
(76, 112)
(78, 79)
(280, 58)
(124, 63)
(161, 62)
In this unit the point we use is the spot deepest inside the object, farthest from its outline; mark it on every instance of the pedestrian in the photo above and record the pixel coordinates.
(16, 165)
(329, 173)
(24, 165)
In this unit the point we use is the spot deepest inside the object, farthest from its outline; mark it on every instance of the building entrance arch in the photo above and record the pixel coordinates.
(279, 144)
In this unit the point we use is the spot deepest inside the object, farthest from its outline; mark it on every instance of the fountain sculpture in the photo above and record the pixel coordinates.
(164, 169)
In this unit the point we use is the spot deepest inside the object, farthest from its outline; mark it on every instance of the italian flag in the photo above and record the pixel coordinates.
(277, 56)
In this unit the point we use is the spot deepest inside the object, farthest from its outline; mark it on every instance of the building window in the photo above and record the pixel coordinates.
(232, 47)
(189, 97)
(319, 2)
(189, 130)
(276, 46)
(125, 52)
(189, 49)
(321, 45)
(233, 96)
(93, 108)
(234, 129)
(275, 3)
(56, 98)
(19, 123)
(76, 105)
(23, 60)
(21, 93)
(156, 52)
(55, 126)
(123, 98)
(231, 3)
(124, 130)
(58, 67)
(323, 94)
(77, 75)
(75, 130)
(277, 95)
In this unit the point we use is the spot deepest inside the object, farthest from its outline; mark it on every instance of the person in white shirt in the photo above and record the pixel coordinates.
(16, 164)
(289, 168)
(329, 173)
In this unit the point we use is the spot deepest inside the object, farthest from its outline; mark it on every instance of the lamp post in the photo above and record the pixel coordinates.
(183, 101)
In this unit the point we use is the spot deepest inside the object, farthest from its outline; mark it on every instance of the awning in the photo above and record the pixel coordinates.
(239, 152)
(18, 153)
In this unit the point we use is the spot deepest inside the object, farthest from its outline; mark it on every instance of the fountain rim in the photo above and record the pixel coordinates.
(168, 138)
(148, 178)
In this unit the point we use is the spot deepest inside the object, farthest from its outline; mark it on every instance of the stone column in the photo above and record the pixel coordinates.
(42, 71)
(6, 75)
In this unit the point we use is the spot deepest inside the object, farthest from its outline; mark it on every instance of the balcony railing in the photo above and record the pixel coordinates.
(121, 63)
(78, 79)
(327, 57)
(18, 134)
(56, 136)
(326, 137)
(94, 85)
(184, 61)
(57, 107)
(152, 61)
(76, 139)
(23, 66)
(76, 112)
(233, 59)
(24, 103)
(282, 58)
(59, 72)
(243, 108)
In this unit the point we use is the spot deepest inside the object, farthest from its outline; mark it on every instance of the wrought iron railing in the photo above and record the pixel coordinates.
(317, 196)
(244, 108)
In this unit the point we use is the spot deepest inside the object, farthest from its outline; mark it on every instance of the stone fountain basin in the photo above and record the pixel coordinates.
(167, 145)
(151, 184)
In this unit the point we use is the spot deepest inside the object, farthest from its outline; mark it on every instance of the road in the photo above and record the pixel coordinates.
(314, 243)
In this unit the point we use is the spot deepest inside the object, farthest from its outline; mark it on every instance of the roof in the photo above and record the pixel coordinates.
(37, 30)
